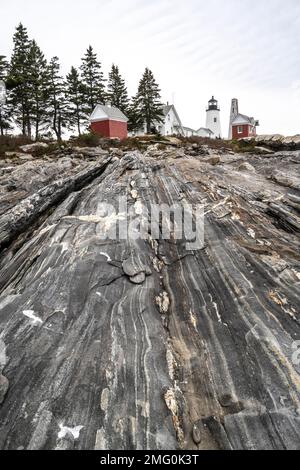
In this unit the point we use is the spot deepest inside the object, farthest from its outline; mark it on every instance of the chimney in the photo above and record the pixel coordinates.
(108, 104)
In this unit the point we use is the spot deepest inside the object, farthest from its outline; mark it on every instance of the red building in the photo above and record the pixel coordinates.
(241, 125)
(109, 121)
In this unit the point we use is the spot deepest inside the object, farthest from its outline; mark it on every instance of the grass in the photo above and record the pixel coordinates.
(239, 146)
(86, 140)
(212, 143)
(13, 143)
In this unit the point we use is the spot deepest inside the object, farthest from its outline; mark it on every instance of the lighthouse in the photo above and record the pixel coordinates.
(213, 121)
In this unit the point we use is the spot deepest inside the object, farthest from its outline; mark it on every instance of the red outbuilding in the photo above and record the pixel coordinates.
(243, 126)
(240, 125)
(109, 121)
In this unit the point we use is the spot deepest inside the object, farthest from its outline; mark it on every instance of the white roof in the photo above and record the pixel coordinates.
(242, 119)
(167, 108)
(104, 113)
(205, 129)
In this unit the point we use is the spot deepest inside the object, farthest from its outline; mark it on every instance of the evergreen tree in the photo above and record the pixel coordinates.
(58, 108)
(38, 88)
(18, 79)
(92, 79)
(136, 121)
(75, 99)
(3, 67)
(117, 91)
(5, 109)
(147, 101)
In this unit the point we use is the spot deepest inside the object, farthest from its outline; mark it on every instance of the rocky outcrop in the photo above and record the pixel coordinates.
(35, 146)
(275, 142)
(141, 343)
(30, 208)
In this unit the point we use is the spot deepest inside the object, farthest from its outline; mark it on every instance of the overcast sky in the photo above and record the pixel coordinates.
(195, 48)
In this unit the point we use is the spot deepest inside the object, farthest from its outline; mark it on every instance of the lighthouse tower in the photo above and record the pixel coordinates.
(234, 111)
(213, 121)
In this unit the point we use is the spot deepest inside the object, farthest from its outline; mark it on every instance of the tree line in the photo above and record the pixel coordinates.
(42, 103)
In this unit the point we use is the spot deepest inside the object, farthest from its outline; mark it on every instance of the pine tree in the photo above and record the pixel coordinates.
(18, 79)
(136, 121)
(5, 109)
(147, 101)
(117, 91)
(58, 107)
(38, 89)
(93, 81)
(75, 100)
(3, 67)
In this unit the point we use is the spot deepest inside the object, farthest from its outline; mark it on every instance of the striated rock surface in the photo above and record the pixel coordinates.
(141, 343)
(275, 142)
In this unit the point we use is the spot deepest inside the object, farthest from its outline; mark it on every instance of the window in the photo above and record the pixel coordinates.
(240, 129)
(215, 120)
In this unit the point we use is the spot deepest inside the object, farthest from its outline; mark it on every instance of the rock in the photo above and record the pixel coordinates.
(21, 156)
(173, 140)
(197, 432)
(31, 208)
(286, 179)
(274, 142)
(26, 157)
(4, 386)
(42, 419)
(226, 400)
(91, 152)
(263, 151)
(146, 342)
(284, 217)
(221, 211)
(292, 142)
(138, 278)
(245, 166)
(116, 153)
(32, 147)
(180, 153)
(212, 160)
(66, 443)
(136, 264)
(163, 302)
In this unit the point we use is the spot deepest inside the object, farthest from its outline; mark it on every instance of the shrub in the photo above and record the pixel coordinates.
(9, 143)
(86, 140)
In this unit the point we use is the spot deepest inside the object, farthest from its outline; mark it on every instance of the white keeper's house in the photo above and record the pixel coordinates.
(172, 125)
(171, 122)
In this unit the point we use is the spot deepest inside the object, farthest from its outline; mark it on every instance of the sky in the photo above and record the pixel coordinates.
(195, 48)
